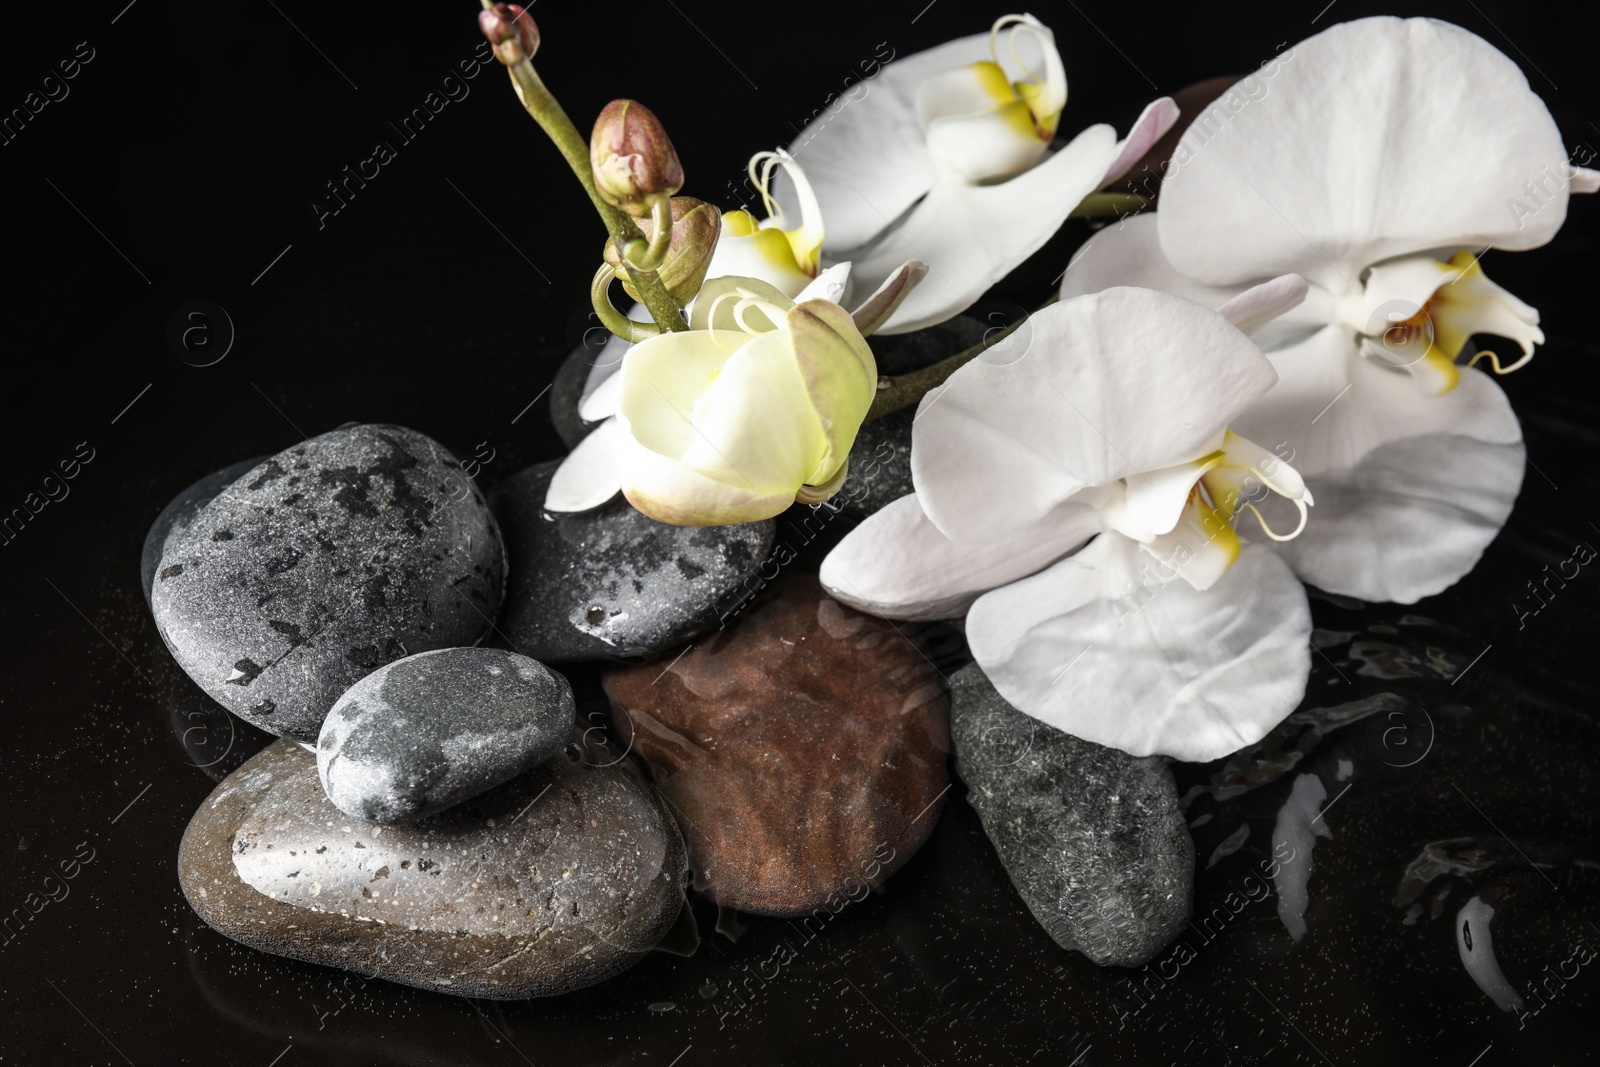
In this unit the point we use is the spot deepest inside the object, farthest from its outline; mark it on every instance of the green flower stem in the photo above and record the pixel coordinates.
(907, 389)
(642, 256)
(1108, 205)
(628, 329)
(539, 102)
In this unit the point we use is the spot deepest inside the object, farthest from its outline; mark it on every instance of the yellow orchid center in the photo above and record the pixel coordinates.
(805, 240)
(1187, 515)
(1426, 338)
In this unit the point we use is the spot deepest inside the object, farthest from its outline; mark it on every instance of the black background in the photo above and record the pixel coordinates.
(182, 165)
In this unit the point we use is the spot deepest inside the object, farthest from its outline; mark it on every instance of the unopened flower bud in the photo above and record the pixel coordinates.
(695, 228)
(511, 30)
(633, 160)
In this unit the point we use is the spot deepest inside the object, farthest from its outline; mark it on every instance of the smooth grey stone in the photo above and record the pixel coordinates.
(321, 564)
(556, 880)
(613, 583)
(424, 733)
(1091, 836)
(178, 514)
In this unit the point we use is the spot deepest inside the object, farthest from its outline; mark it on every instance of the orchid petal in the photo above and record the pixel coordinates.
(1109, 647)
(1152, 124)
(669, 492)
(608, 360)
(1259, 305)
(757, 409)
(1584, 180)
(712, 313)
(1407, 521)
(1332, 405)
(897, 565)
(1375, 138)
(1109, 385)
(1129, 253)
(601, 401)
(876, 309)
(840, 377)
(589, 476)
(829, 285)
(972, 236)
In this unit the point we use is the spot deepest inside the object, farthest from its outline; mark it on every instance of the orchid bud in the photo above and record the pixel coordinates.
(511, 30)
(695, 228)
(634, 161)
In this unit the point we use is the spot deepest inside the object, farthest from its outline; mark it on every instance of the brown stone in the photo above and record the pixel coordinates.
(803, 749)
(556, 880)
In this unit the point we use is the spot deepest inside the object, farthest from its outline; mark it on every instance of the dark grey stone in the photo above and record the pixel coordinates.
(323, 563)
(556, 880)
(424, 733)
(1091, 837)
(176, 517)
(903, 353)
(613, 583)
(566, 391)
(880, 465)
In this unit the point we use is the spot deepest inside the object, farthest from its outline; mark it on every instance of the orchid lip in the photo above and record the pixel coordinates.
(1196, 533)
(1418, 314)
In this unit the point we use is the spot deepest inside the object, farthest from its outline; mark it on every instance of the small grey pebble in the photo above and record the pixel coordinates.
(424, 733)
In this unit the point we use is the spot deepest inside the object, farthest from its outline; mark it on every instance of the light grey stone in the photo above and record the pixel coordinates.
(424, 733)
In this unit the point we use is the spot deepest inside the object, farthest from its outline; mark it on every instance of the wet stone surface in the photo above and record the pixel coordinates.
(1092, 837)
(319, 565)
(554, 881)
(804, 748)
(613, 582)
(426, 732)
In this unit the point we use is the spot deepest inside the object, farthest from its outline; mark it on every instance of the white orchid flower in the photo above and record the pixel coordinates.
(944, 157)
(755, 406)
(788, 260)
(1107, 425)
(1387, 158)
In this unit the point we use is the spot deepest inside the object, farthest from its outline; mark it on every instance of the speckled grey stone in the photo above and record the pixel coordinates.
(612, 583)
(176, 517)
(424, 733)
(880, 465)
(321, 564)
(554, 881)
(1091, 837)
